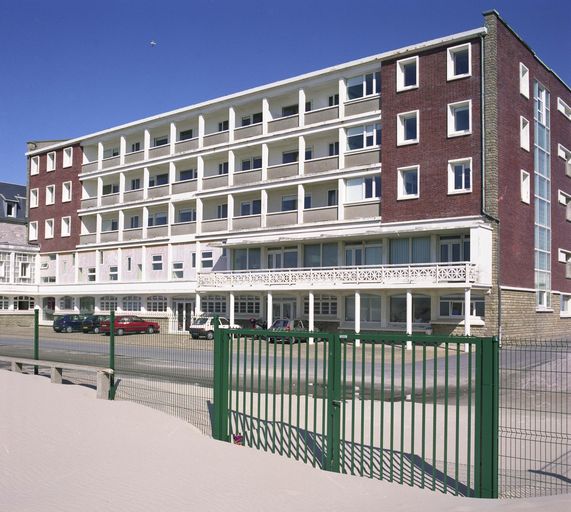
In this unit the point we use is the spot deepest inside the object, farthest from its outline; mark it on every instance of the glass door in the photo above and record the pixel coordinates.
(184, 310)
(275, 259)
(353, 255)
(284, 309)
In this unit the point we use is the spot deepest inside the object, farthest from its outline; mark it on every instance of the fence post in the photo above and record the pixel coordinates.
(486, 419)
(332, 453)
(112, 355)
(220, 427)
(36, 337)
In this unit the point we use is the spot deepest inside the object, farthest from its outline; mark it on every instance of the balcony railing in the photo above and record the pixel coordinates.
(388, 275)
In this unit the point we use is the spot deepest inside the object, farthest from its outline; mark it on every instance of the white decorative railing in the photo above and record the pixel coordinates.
(434, 273)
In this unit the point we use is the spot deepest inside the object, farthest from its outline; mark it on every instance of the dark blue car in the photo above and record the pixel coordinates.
(68, 323)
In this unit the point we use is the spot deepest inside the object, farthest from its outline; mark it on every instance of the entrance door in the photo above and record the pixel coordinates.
(183, 310)
(284, 309)
(275, 259)
(353, 255)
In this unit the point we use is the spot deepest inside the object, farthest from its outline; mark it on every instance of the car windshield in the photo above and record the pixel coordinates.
(279, 324)
(201, 321)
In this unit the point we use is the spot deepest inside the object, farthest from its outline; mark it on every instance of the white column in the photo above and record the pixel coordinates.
(57, 269)
(231, 123)
(171, 216)
(409, 317)
(197, 307)
(265, 161)
(231, 305)
(357, 317)
(172, 175)
(97, 264)
(340, 199)
(269, 309)
(120, 225)
(301, 107)
(199, 213)
(301, 158)
(99, 190)
(75, 269)
(342, 147)
(143, 263)
(300, 203)
(199, 173)
(311, 322)
(169, 262)
(342, 97)
(146, 178)
(12, 267)
(122, 149)
(467, 305)
(98, 224)
(231, 167)
(146, 144)
(266, 116)
(201, 126)
(121, 187)
(230, 202)
(263, 207)
(100, 151)
(172, 137)
(145, 221)
(119, 264)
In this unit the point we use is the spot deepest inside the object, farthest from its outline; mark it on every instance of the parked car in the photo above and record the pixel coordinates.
(286, 325)
(68, 323)
(91, 323)
(129, 324)
(203, 326)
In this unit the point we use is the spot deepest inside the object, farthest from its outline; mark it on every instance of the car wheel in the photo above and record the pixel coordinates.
(96, 330)
(150, 330)
(209, 335)
(68, 329)
(120, 332)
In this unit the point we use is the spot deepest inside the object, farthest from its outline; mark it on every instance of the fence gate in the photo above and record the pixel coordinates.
(419, 410)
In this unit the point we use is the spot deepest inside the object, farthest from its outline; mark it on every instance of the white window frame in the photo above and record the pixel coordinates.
(66, 192)
(51, 161)
(565, 305)
(159, 138)
(401, 192)
(401, 64)
(50, 194)
(523, 80)
(65, 226)
(401, 141)
(451, 176)
(13, 213)
(565, 200)
(524, 133)
(34, 197)
(564, 153)
(365, 131)
(68, 157)
(33, 230)
(360, 183)
(49, 228)
(564, 108)
(177, 270)
(525, 187)
(452, 108)
(25, 270)
(450, 75)
(157, 262)
(35, 165)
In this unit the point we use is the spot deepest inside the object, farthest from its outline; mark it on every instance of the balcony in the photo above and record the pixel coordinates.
(213, 225)
(246, 222)
(90, 202)
(283, 170)
(88, 238)
(132, 158)
(363, 157)
(218, 181)
(321, 115)
(245, 132)
(186, 145)
(283, 123)
(362, 105)
(274, 219)
(109, 199)
(381, 276)
(180, 187)
(158, 191)
(324, 164)
(110, 162)
(324, 214)
(362, 210)
(247, 177)
(216, 138)
(133, 234)
(157, 231)
(159, 151)
(183, 228)
(109, 236)
(133, 195)
(90, 167)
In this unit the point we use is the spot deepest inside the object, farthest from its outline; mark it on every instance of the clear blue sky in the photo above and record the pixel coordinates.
(69, 68)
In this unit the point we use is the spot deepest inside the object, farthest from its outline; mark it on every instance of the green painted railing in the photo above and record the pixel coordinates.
(420, 410)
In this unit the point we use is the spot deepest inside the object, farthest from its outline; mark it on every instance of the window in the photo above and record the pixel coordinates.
(50, 194)
(320, 255)
(136, 146)
(332, 197)
(333, 148)
(34, 193)
(223, 168)
(111, 188)
(409, 250)
(158, 180)
(290, 110)
(188, 174)
(308, 106)
(289, 203)
(525, 184)
(187, 215)
(131, 303)
(459, 59)
(51, 161)
(108, 303)
(420, 309)
(365, 136)
(252, 119)
(247, 305)
(523, 80)
(407, 74)
(524, 133)
(49, 228)
(564, 153)
(454, 248)
(157, 262)
(363, 85)
(407, 128)
(453, 306)
(91, 274)
(408, 182)
(460, 176)
(66, 192)
(34, 165)
(459, 118)
(360, 189)
(307, 202)
(565, 305)
(214, 304)
(333, 100)
(157, 219)
(564, 108)
(565, 257)
(223, 126)
(23, 303)
(135, 184)
(254, 162)
(177, 270)
(185, 134)
(11, 209)
(129, 264)
(207, 260)
(67, 157)
(4, 302)
(161, 140)
(65, 226)
(134, 222)
(25, 270)
(157, 304)
(243, 259)
(222, 211)
(308, 152)
(289, 157)
(109, 225)
(370, 310)
(323, 305)
(253, 207)
(113, 273)
(33, 230)
(111, 152)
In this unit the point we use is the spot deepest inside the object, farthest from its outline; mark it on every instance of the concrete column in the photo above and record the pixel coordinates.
(57, 269)
(467, 306)
(342, 146)
(301, 100)
(119, 264)
(197, 307)
(201, 128)
(99, 190)
(265, 161)
(408, 316)
(75, 268)
(230, 202)
(231, 123)
(264, 207)
(269, 309)
(120, 225)
(199, 172)
(231, 167)
(97, 265)
(266, 116)
(12, 267)
(171, 216)
(231, 305)
(311, 321)
(169, 262)
(121, 187)
(199, 213)
(357, 317)
(100, 151)
(172, 137)
(342, 97)
(146, 144)
(98, 224)
(146, 179)
(301, 162)
(340, 199)
(145, 221)
(172, 176)
(300, 203)
(122, 151)
(143, 263)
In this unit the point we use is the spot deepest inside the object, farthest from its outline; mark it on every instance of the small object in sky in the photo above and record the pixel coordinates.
(153, 43)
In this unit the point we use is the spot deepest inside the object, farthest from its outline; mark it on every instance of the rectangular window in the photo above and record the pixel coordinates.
(67, 157)
(34, 198)
(188, 174)
(459, 118)
(135, 184)
(33, 230)
(290, 110)
(254, 162)
(158, 180)
(91, 274)
(360, 189)
(564, 153)
(253, 207)
(223, 126)
(136, 146)
(363, 85)
(408, 128)
(289, 157)
(157, 262)
(364, 136)
(177, 270)
(111, 188)
(129, 264)
(111, 152)
(246, 259)
(525, 187)
(565, 306)
(307, 202)
(25, 270)
(34, 165)
(50, 194)
(113, 273)
(333, 100)
(333, 148)
(185, 134)
(332, 198)
(523, 80)
(308, 152)
(11, 209)
(187, 215)
(289, 203)
(134, 222)
(459, 176)
(524, 133)
(408, 182)
(51, 161)
(564, 108)
(459, 61)
(65, 226)
(407, 74)
(207, 260)
(49, 228)
(252, 119)
(66, 192)
(223, 168)
(222, 211)
(158, 219)
(161, 140)
(109, 225)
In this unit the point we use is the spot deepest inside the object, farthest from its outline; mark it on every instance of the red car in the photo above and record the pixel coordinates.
(126, 324)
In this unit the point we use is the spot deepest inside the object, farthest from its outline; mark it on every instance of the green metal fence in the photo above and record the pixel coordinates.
(419, 410)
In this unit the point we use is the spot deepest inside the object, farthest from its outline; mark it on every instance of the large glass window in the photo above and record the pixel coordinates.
(453, 306)
(454, 248)
(409, 250)
(421, 309)
(323, 305)
(131, 303)
(108, 303)
(244, 259)
(156, 303)
(360, 189)
(364, 136)
(363, 85)
(320, 255)
(370, 310)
